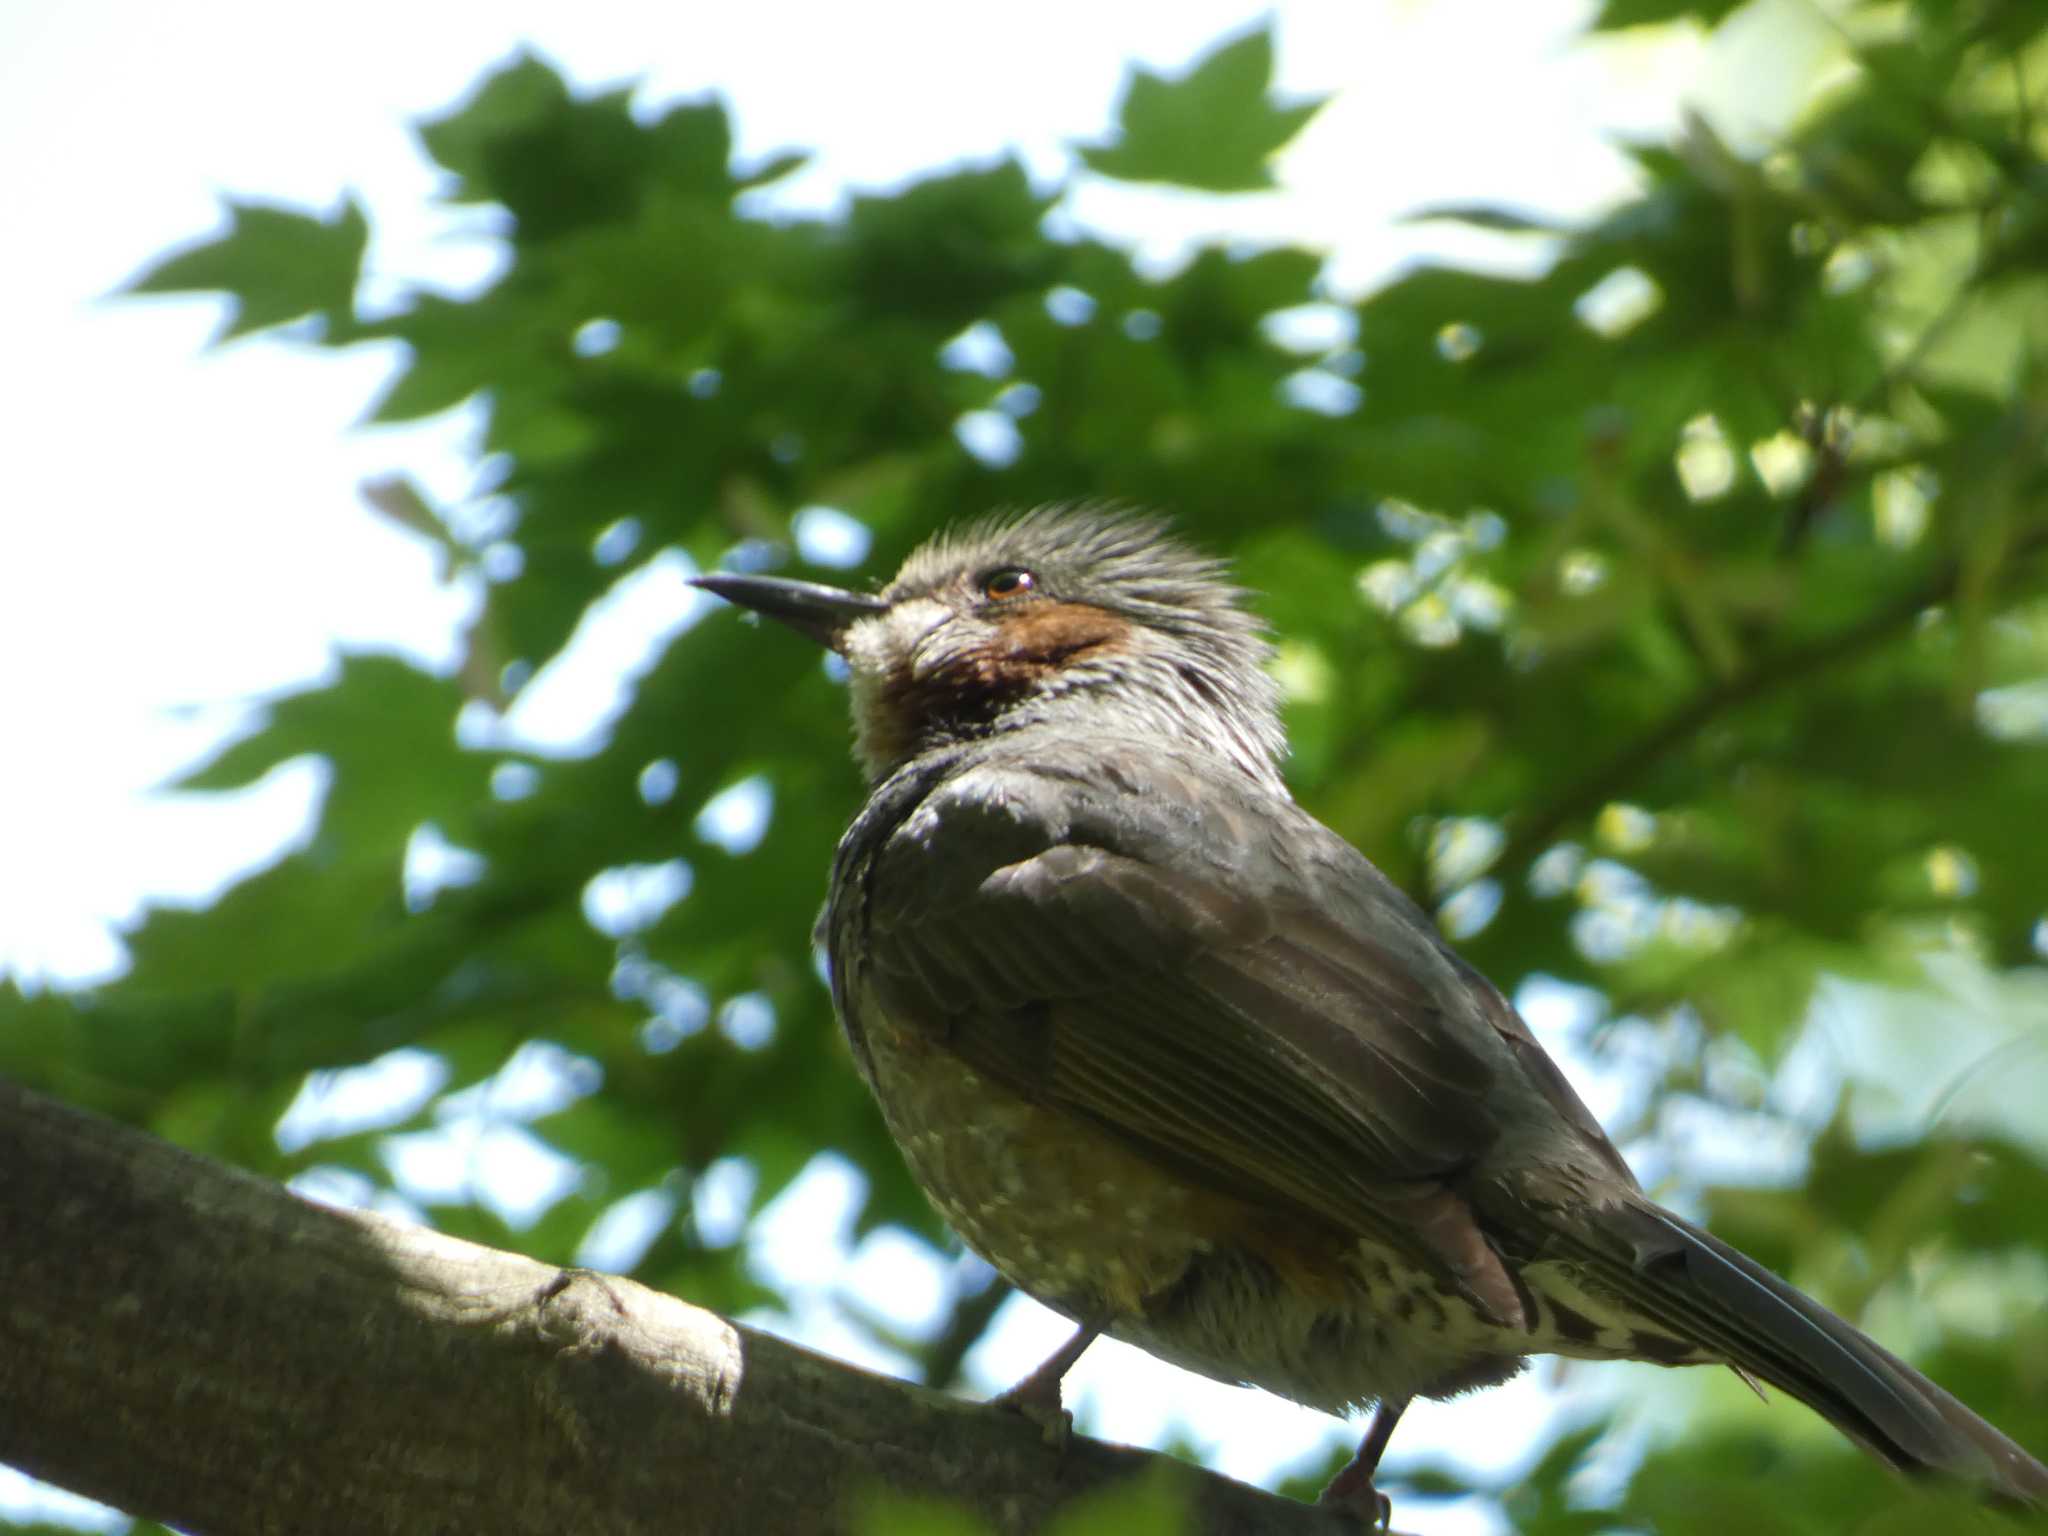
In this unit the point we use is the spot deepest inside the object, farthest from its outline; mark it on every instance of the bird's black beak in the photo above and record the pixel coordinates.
(823, 613)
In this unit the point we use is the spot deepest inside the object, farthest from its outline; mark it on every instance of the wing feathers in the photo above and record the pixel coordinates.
(1193, 996)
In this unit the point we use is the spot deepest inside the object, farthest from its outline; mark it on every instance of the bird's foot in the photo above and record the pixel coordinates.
(1037, 1396)
(1351, 1490)
(1042, 1407)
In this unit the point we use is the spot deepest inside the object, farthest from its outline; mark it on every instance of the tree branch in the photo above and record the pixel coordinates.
(191, 1343)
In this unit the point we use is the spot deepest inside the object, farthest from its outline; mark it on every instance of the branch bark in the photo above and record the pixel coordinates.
(191, 1343)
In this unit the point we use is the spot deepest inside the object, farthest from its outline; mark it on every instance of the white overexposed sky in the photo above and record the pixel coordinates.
(180, 530)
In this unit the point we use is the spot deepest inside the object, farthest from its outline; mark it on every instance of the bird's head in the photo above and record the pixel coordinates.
(1085, 617)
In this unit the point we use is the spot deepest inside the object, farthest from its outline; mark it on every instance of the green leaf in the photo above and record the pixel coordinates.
(1618, 14)
(773, 169)
(276, 264)
(885, 1513)
(946, 248)
(293, 922)
(1212, 129)
(388, 731)
(1507, 221)
(1153, 1503)
(560, 163)
(630, 1148)
(513, 100)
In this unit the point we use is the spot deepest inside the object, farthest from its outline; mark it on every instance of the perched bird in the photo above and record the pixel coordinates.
(1181, 1063)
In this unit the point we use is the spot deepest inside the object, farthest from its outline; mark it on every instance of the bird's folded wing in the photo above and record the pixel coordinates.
(1229, 1027)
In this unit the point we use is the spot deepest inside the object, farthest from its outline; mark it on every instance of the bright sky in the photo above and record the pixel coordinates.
(180, 530)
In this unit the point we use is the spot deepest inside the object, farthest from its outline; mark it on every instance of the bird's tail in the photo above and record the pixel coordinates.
(1698, 1288)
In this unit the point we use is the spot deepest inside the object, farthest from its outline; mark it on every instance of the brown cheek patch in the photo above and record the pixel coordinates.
(1029, 644)
(1041, 637)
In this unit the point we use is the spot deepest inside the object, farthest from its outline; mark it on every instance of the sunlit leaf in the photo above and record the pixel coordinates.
(1213, 127)
(274, 264)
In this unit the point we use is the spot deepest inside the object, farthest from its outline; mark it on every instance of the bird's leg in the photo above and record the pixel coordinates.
(1352, 1487)
(1037, 1396)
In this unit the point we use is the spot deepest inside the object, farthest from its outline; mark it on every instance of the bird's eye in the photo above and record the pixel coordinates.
(1008, 582)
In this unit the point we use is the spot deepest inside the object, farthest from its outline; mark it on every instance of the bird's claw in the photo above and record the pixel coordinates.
(1359, 1498)
(1038, 1400)
(1038, 1395)
(1352, 1489)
